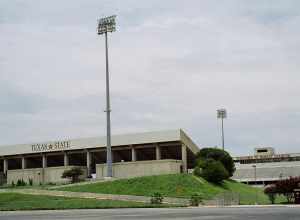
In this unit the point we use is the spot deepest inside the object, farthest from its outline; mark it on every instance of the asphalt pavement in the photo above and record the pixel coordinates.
(244, 213)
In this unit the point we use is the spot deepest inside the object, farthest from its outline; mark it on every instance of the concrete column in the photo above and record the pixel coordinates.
(5, 166)
(133, 154)
(23, 163)
(44, 161)
(44, 165)
(157, 152)
(184, 157)
(66, 159)
(88, 163)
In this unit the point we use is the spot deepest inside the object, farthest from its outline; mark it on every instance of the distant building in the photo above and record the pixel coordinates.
(141, 154)
(264, 151)
(269, 166)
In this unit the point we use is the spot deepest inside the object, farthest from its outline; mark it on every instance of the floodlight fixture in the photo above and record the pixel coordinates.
(222, 113)
(105, 25)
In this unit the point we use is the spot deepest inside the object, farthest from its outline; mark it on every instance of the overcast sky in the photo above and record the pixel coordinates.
(173, 63)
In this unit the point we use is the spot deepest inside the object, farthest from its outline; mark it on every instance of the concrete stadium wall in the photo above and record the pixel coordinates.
(266, 171)
(26, 174)
(140, 168)
(40, 175)
(53, 174)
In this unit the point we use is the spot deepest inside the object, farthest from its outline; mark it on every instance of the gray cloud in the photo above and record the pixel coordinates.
(173, 63)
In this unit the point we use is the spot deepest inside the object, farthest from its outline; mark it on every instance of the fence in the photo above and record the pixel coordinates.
(224, 199)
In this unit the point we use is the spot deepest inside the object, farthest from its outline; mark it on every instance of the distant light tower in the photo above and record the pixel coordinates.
(280, 176)
(221, 113)
(106, 25)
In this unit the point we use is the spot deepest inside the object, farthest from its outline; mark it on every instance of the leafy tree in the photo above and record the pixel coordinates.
(213, 171)
(73, 174)
(217, 155)
(284, 187)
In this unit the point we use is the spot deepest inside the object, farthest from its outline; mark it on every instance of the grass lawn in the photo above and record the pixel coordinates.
(16, 201)
(173, 185)
(248, 193)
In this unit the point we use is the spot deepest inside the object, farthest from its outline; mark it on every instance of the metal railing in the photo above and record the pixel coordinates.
(224, 199)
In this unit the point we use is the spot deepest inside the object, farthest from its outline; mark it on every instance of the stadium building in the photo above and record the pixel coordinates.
(141, 154)
(266, 167)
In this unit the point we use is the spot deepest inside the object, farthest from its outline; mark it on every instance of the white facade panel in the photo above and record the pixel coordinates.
(98, 142)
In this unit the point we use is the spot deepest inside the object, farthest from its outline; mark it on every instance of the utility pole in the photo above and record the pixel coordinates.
(256, 197)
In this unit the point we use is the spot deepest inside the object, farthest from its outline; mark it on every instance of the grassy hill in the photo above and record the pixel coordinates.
(173, 185)
(16, 201)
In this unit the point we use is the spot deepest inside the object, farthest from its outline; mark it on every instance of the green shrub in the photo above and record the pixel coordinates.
(13, 184)
(272, 197)
(213, 171)
(195, 200)
(30, 181)
(214, 165)
(217, 155)
(197, 171)
(21, 182)
(73, 174)
(51, 184)
(156, 198)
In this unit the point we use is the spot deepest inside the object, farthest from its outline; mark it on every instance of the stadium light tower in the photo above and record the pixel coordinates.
(222, 113)
(105, 25)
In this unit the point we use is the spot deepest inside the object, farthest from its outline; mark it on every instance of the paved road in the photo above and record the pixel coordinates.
(270, 213)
